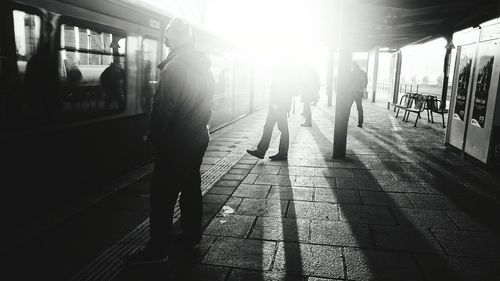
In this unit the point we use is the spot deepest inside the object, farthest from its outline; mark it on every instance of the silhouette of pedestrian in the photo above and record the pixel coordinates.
(309, 93)
(113, 82)
(182, 107)
(357, 88)
(283, 87)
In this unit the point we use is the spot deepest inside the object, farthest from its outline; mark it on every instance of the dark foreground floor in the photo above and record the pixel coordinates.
(400, 207)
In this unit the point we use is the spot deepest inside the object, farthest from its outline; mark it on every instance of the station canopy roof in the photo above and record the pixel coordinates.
(396, 23)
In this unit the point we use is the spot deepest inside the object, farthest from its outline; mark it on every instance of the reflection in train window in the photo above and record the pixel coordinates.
(223, 99)
(92, 72)
(149, 73)
(27, 36)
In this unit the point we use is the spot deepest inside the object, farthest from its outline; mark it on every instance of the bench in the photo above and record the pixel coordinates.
(404, 103)
(435, 105)
(417, 105)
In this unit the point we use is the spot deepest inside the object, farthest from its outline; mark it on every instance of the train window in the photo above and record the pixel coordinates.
(149, 72)
(27, 37)
(92, 72)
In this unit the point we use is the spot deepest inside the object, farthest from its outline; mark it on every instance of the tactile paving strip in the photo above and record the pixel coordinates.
(109, 263)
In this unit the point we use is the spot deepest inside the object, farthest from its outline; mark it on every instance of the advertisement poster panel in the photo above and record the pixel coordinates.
(484, 70)
(464, 71)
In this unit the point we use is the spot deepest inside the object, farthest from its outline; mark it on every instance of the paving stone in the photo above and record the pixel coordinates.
(227, 190)
(306, 171)
(441, 267)
(307, 259)
(366, 184)
(291, 193)
(340, 234)
(250, 178)
(345, 183)
(252, 191)
(403, 238)
(312, 210)
(210, 160)
(366, 214)
(215, 198)
(318, 279)
(378, 265)
(283, 229)
(262, 207)
(337, 196)
(385, 165)
(246, 275)
(428, 201)
(467, 243)
(465, 221)
(243, 166)
(343, 173)
(314, 181)
(229, 183)
(351, 165)
(401, 186)
(265, 169)
(374, 174)
(383, 198)
(410, 176)
(238, 171)
(423, 218)
(315, 163)
(247, 161)
(364, 158)
(230, 225)
(202, 272)
(234, 202)
(243, 253)
(274, 180)
(233, 177)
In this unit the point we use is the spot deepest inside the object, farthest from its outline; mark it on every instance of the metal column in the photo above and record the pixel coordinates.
(342, 108)
(446, 70)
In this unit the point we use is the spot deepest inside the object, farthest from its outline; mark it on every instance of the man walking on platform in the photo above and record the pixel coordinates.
(283, 86)
(358, 82)
(310, 92)
(182, 107)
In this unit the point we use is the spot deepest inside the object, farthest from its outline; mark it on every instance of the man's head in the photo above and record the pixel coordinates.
(177, 34)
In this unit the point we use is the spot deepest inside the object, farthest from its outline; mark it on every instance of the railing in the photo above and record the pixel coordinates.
(434, 90)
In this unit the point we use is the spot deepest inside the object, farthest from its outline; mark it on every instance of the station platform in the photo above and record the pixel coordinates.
(401, 206)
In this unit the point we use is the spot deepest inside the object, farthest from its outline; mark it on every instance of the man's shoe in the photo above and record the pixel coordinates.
(147, 255)
(306, 125)
(256, 153)
(279, 157)
(360, 125)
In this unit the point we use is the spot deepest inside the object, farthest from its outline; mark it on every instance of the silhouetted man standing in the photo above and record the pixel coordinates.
(182, 107)
(357, 85)
(283, 87)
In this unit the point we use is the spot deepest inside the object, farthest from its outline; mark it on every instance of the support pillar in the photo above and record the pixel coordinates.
(375, 73)
(342, 106)
(397, 77)
(446, 70)
(329, 76)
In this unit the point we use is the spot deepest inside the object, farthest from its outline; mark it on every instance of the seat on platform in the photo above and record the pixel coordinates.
(416, 105)
(435, 105)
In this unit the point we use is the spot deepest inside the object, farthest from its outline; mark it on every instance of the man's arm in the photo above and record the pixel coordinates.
(164, 103)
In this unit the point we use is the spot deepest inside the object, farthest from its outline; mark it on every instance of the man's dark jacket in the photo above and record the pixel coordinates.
(182, 104)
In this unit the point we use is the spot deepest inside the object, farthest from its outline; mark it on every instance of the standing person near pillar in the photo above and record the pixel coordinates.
(283, 87)
(182, 107)
(357, 88)
(309, 92)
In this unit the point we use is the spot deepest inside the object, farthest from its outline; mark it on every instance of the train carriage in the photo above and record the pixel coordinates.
(76, 84)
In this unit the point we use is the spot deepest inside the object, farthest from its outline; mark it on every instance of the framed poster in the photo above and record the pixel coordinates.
(484, 69)
(464, 69)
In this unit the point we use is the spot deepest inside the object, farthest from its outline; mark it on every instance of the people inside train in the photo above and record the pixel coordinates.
(113, 83)
(147, 90)
(284, 86)
(309, 92)
(357, 87)
(182, 107)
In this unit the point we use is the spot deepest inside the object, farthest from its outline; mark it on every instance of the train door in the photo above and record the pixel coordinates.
(149, 73)
(22, 55)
